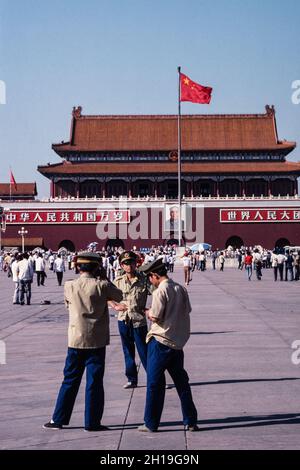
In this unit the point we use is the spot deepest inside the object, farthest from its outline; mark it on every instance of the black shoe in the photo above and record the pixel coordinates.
(191, 427)
(52, 426)
(130, 385)
(21, 303)
(100, 427)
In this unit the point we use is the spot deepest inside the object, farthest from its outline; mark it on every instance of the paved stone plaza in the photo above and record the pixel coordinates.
(245, 386)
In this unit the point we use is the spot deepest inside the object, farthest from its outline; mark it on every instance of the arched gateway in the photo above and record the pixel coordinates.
(282, 242)
(68, 245)
(235, 242)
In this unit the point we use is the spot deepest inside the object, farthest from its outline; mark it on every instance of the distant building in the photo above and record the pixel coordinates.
(222, 155)
(22, 191)
(237, 186)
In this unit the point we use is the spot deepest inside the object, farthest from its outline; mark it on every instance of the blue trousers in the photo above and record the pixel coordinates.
(93, 360)
(131, 338)
(25, 289)
(249, 270)
(161, 358)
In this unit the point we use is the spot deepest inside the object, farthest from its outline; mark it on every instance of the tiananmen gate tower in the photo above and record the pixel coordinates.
(238, 188)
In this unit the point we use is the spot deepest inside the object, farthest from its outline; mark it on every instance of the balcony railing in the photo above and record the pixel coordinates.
(160, 199)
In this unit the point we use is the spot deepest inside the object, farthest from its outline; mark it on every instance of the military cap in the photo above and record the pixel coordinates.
(86, 257)
(152, 267)
(127, 255)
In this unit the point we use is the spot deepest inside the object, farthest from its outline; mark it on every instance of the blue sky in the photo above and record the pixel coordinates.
(121, 57)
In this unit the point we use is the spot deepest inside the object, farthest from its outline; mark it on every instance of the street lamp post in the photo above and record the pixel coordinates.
(3, 212)
(23, 232)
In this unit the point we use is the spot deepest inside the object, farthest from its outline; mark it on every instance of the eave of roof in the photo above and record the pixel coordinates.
(286, 146)
(67, 168)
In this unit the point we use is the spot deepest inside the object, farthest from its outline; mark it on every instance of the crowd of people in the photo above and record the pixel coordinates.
(286, 264)
(23, 267)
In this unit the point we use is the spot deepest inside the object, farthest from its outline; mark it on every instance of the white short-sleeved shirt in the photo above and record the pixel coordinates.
(171, 308)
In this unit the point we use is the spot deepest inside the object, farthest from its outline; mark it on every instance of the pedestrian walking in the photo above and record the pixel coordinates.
(281, 258)
(193, 262)
(274, 264)
(59, 268)
(69, 259)
(186, 268)
(7, 264)
(51, 260)
(214, 257)
(170, 330)
(40, 267)
(297, 266)
(202, 261)
(248, 264)
(15, 278)
(269, 260)
(171, 260)
(289, 267)
(240, 259)
(86, 298)
(257, 259)
(221, 261)
(25, 278)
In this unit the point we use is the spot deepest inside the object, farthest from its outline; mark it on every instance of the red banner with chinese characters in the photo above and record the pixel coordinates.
(35, 217)
(259, 215)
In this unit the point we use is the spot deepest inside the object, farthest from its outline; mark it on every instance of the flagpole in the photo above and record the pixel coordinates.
(10, 183)
(179, 160)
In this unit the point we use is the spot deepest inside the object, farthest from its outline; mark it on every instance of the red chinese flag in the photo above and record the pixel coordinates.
(192, 91)
(12, 180)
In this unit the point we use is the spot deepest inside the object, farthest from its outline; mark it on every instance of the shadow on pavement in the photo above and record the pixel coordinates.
(255, 421)
(210, 332)
(194, 384)
(226, 423)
